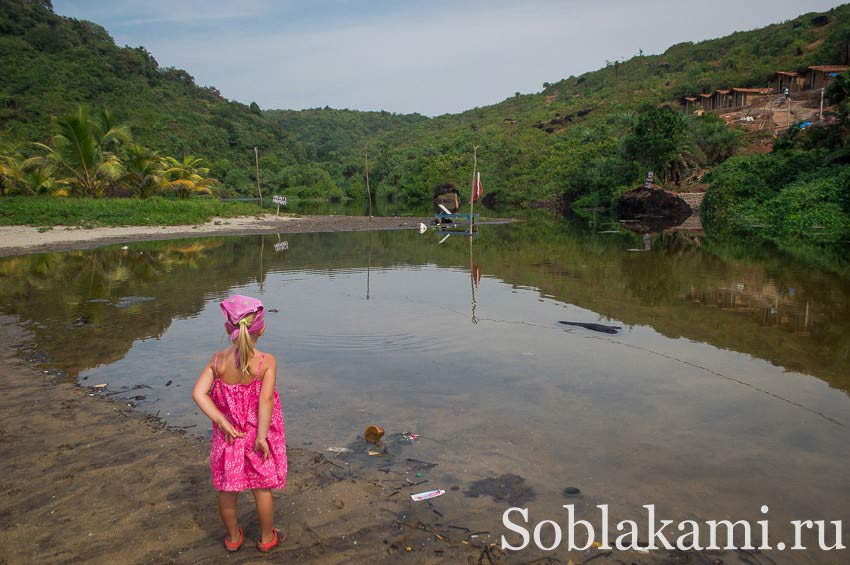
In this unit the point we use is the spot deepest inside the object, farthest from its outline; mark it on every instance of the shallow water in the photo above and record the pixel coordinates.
(726, 389)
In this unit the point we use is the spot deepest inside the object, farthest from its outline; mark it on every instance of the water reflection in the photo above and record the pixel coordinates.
(781, 312)
(701, 403)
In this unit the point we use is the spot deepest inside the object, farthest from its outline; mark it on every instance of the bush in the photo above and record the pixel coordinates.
(787, 197)
(89, 212)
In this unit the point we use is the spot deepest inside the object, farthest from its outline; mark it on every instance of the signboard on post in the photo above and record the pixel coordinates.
(280, 201)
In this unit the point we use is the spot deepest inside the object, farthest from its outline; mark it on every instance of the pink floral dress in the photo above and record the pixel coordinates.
(238, 466)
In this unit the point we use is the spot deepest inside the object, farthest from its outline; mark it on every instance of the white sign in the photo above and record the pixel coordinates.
(281, 246)
(279, 200)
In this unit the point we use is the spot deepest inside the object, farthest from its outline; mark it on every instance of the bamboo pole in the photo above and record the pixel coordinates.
(368, 190)
(257, 163)
(472, 193)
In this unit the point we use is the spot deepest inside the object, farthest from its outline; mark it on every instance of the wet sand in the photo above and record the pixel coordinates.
(16, 240)
(85, 478)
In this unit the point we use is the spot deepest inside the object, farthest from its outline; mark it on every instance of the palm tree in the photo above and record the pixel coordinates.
(85, 150)
(143, 170)
(188, 176)
(29, 176)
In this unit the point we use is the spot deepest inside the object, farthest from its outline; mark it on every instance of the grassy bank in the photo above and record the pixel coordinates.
(93, 212)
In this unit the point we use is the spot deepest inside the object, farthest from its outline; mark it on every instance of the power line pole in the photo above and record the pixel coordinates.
(368, 190)
(821, 105)
(257, 162)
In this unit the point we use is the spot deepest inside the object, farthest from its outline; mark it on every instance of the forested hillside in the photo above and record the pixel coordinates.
(591, 134)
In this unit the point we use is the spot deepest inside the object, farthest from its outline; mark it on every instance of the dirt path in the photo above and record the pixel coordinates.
(86, 479)
(16, 240)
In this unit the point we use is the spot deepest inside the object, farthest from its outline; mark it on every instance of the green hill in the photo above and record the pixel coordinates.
(568, 140)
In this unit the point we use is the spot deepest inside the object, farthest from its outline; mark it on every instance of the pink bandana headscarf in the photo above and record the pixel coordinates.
(237, 307)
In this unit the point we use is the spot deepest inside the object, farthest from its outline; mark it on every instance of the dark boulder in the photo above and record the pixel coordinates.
(652, 209)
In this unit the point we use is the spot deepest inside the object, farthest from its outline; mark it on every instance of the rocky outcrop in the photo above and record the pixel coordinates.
(646, 209)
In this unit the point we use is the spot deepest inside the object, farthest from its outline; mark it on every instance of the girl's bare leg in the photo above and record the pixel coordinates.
(265, 513)
(227, 510)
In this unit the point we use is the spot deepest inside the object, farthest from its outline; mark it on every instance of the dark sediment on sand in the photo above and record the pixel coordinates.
(88, 479)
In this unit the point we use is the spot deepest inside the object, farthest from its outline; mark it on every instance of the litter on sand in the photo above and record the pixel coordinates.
(100, 386)
(338, 450)
(427, 495)
(373, 434)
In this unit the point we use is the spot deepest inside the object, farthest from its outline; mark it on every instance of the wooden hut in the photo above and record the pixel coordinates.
(787, 79)
(689, 104)
(722, 99)
(819, 76)
(745, 96)
(706, 100)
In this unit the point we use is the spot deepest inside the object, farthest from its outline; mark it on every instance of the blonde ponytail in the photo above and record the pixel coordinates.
(244, 344)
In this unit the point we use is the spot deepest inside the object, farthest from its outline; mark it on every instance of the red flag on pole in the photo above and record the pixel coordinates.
(477, 189)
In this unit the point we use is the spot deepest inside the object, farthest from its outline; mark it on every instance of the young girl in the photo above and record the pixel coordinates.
(237, 391)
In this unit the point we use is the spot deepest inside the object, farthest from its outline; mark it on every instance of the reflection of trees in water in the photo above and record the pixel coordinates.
(676, 288)
(70, 295)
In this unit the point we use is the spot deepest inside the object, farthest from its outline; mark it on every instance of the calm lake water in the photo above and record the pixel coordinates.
(726, 389)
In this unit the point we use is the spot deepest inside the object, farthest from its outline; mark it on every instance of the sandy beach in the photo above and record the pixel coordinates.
(15, 240)
(87, 479)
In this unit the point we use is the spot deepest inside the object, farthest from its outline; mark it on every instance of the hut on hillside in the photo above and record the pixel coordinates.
(707, 101)
(819, 76)
(787, 79)
(722, 99)
(746, 96)
(689, 103)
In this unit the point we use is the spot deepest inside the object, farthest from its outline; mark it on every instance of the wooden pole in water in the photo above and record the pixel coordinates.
(472, 281)
(257, 163)
(472, 193)
(369, 269)
(368, 190)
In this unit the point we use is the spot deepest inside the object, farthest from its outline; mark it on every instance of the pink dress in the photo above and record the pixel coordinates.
(238, 466)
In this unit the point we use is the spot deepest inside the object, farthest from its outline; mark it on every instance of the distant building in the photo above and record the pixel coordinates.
(745, 96)
(819, 76)
(787, 79)
(722, 99)
(689, 103)
(707, 101)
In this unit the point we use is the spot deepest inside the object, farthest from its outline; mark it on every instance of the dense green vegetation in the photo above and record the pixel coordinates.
(93, 212)
(797, 196)
(98, 158)
(582, 139)
(570, 139)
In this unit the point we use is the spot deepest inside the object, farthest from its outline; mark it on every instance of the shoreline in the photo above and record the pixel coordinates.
(111, 484)
(21, 240)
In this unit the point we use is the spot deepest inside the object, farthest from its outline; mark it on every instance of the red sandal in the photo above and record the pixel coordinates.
(276, 541)
(230, 546)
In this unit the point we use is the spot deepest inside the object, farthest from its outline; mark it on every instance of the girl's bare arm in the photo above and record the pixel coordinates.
(266, 399)
(201, 396)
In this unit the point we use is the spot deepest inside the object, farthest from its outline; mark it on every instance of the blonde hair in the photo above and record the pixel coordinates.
(244, 344)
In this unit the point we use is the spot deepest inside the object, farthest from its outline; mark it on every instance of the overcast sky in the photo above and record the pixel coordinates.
(432, 57)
